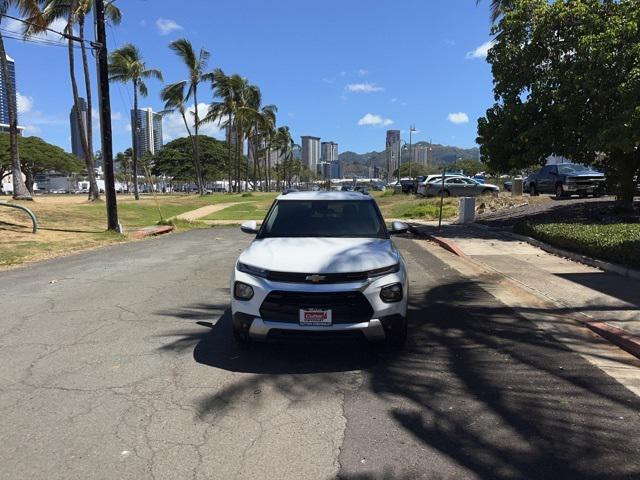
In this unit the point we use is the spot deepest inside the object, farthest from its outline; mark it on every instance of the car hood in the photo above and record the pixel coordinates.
(320, 255)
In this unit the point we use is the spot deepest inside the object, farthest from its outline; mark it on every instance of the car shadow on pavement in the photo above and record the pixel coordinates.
(503, 400)
(217, 348)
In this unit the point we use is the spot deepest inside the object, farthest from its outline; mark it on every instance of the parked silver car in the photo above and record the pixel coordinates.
(460, 186)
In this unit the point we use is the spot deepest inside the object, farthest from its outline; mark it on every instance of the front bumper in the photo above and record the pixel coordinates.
(385, 316)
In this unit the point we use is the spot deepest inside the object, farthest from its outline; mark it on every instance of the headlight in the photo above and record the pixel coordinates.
(242, 291)
(255, 271)
(391, 293)
(379, 272)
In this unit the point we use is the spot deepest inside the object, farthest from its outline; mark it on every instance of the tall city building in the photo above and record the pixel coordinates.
(329, 151)
(420, 154)
(4, 98)
(311, 152)
(79, 127)
(393, 152)
(149, 134)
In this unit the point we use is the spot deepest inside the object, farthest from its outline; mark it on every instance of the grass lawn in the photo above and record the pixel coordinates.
(255, 209)
(613, 242)
(414, 207)
(69, 222)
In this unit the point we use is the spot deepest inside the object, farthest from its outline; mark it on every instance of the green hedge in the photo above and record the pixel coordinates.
(615, 242)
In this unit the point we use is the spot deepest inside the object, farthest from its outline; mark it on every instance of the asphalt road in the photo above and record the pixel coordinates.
(119, 364)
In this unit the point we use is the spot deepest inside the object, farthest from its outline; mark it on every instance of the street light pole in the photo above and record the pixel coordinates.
(105, 117)
(412, 129)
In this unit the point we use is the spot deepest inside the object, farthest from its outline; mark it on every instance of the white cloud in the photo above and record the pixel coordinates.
(16, 27)
(173, 125)
(375, 120)
(363, 88)
(32, 130)
(459, 117)
(166, 26)
(362, 72)
(481, 51)
(116, 116)
(25, 104)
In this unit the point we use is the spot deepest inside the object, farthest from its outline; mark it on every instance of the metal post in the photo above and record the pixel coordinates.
(105, 117)
(441, 199)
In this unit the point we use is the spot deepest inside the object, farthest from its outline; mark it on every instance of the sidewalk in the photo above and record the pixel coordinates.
(603, 297)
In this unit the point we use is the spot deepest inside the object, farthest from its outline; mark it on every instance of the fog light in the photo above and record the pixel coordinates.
(242, 291)
(391, 293)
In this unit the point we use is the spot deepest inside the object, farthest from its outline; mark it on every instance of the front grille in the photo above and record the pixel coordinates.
(323, 278)
(293, 277)
(346, 307)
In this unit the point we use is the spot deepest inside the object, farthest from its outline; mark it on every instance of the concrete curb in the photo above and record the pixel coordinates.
(151, 231)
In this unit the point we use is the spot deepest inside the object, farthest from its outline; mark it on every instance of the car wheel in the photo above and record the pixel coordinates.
(533, 191)
(489, 191)
(397, 338)
(444, 194)
(559, 192)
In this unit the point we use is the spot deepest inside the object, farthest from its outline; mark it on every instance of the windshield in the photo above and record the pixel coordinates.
(573, 168)
(324, 218)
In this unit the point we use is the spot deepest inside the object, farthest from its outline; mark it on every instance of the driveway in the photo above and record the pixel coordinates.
(119, 363)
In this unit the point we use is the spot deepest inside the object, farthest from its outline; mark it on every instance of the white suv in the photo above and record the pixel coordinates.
(322, 265)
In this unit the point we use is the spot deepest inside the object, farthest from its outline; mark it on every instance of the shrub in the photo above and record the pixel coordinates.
(614, 242)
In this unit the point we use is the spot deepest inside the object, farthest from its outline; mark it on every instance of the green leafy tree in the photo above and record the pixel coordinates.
(498, 8)
(175, 159)
(573, 94)
(126, 65)
(38, 157)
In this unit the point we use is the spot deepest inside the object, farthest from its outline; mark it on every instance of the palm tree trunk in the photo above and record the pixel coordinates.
(94, 191)
(196, 146)
(76, 97)
(134, 153)
(268, 166)
(20, 191)
(193, 140)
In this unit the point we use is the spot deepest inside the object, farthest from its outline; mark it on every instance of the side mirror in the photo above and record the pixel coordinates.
(398, 228)
(250, 227)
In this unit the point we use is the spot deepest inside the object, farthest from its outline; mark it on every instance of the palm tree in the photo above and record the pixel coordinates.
(222, 111)
(126, 65)
(498, 8)
(284, 143)
(174, 100)
(29, 9)
(75, 12)
(267, 131)
(196, 66)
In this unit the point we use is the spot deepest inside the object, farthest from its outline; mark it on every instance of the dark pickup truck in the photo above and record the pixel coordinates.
(566, 179)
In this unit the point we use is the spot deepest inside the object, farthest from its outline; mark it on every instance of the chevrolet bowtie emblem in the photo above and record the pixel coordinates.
(315, 278)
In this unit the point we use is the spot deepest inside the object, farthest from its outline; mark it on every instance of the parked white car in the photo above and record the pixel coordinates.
(459, 186)
(322, 264)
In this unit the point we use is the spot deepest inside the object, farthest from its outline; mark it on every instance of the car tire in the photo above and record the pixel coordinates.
(489, 191)
(533, 191)
(559, 192)
(396, 339)
(446, 193)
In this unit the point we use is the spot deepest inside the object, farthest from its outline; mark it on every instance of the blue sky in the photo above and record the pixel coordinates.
(341, 70)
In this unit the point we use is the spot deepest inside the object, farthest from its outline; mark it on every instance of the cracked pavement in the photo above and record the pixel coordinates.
(119, 363)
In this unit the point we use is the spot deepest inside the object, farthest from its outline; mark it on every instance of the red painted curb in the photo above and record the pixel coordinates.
(447, 245)
(618, 336)
(151, 231)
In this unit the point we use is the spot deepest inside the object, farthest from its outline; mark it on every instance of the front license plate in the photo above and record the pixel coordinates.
(315, 318)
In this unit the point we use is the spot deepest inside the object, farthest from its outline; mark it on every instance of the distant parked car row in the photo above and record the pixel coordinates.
(455, 185)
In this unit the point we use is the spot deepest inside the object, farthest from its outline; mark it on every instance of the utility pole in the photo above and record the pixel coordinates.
(105, 117)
